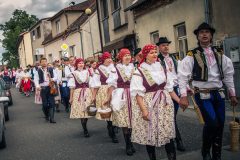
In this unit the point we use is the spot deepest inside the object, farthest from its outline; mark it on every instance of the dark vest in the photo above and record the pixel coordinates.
(41, 75)
(200, 69)
(160, 56)
(103, 78)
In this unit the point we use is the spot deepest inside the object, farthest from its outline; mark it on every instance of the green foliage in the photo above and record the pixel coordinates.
(20, 22)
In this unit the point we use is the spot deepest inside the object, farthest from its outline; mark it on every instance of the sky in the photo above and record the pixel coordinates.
(40, 8)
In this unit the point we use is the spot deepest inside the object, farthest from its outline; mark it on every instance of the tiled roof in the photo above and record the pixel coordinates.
(74, 26)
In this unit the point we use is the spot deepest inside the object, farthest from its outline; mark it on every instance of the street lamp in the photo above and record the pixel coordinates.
(88, 12)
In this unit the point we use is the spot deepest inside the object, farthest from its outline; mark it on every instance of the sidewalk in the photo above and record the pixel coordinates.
(196, 155)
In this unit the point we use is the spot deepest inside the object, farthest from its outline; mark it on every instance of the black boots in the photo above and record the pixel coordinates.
(57, 108)
(170, 149)
(46, 113)
(84, 125)
(151, 152)
(51, 114)
(179, 142)
(129, 146)
(111, 132)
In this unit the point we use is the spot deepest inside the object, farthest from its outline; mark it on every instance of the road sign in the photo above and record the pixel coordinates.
(64, 46)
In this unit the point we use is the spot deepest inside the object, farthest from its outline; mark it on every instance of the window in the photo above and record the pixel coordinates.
(154, 37)
(60, 54)
(33, 35)
(58, 26)
(72, 50)
(38, 32)
(181, 38)
(50, 58)
(104, 9)
(116, 4)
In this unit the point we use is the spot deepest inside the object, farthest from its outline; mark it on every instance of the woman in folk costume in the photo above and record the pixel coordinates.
(26, 83)
(152, 107)
(81, 95)
(119, 80)
(101, 92)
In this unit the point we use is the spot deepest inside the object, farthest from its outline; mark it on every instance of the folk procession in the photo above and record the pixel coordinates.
(139, 93)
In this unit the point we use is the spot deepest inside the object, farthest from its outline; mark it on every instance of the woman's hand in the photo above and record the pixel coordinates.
(145, 115)
(70, 101)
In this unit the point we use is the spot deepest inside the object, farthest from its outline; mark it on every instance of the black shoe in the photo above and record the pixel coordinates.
(171, 156)
(109, 131)
(114, 139)
(180, 146)
(207, 156)
(129, 151)
(52, 121)
(86, 134)
(132, 147)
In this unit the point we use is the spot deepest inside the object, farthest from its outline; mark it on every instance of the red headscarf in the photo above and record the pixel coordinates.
(146, 49)
(122, 53)
(105, 56)
(78, 61)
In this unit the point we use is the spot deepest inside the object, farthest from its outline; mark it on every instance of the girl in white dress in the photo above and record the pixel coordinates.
(81, 94)
(119, 80)
(152, 107)
(101, 92)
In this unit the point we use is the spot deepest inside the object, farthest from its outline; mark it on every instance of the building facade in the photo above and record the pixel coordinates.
(174, 19)
(25, 49)
(117, 26)
(39, 32)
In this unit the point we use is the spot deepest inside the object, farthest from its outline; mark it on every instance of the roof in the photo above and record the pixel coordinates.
(78, 7)
(38, 22)
(73, 27)
(134, 5)
(20, 38)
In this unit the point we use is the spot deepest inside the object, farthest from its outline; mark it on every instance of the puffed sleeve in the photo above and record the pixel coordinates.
(185, 68)
(112, 79)
(228, 72)
(95, 80)
(71, 83)
(136, 85)
(170, 83)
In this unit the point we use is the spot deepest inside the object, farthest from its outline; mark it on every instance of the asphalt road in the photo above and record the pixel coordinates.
(30, 137)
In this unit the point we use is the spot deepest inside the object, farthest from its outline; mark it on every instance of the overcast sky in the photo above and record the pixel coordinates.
(40, 8)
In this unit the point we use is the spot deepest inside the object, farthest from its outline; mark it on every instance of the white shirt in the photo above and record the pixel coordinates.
(83, 76)
(185, 72)
(158, 75)
(171, 69)
(45, 77)
(96, 83)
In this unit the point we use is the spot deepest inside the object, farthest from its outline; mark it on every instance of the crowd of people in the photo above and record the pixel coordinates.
(140, 94)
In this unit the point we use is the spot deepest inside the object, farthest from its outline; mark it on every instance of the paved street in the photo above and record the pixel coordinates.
(30, 137)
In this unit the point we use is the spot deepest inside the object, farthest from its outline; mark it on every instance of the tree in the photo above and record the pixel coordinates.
(20, 22)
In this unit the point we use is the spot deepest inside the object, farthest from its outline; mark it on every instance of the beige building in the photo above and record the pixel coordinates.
(38, 33)
(25, 49)
(175, 19)
(117, 26)
(73, 27)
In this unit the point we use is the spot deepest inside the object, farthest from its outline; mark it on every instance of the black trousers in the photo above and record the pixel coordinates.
(48, 102)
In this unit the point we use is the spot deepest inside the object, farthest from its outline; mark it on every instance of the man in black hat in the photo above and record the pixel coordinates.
(209, 69)
(169, 62)
(137, 56)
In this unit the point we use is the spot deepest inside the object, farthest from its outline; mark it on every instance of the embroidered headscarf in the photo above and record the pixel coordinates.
(122, 53)
(146, 49)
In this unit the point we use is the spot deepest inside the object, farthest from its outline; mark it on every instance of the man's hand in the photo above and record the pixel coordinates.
(234, 101)
(184, 103)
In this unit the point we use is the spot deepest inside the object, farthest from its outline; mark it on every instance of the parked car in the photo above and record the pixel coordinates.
(2, 124)
(7, 87)
(4, 95)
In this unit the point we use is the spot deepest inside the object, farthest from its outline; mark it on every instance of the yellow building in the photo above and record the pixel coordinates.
(25, 49)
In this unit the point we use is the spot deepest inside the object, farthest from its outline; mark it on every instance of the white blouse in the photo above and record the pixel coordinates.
(96, 83)
(185, 71)
(158, 75)
(83, 76)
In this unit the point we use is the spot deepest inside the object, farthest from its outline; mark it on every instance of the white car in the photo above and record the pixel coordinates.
(3, 100)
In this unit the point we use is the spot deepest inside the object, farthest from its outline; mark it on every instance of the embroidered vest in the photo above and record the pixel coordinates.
(103, 77)
(121, 83)
(41, 74)
(150, 87)
(200, 68)
(160, 56)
